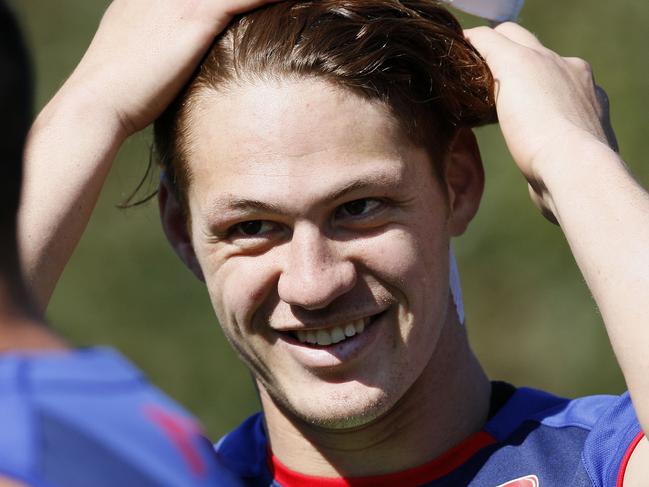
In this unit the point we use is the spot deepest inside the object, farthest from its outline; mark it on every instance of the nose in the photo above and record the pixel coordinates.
(314, 273)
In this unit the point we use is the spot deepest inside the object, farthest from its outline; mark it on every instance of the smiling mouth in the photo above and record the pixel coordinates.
(335, 334)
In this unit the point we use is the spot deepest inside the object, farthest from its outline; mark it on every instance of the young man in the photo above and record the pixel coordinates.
(73, 418)
(316, 168)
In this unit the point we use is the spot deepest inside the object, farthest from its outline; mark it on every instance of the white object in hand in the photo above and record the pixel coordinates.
(493, 10)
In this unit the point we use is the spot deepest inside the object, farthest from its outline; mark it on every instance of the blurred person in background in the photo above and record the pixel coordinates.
(315, 169)
(73, 417)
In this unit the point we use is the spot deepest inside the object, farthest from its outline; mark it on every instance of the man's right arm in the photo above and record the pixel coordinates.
(555, 122)
(69, 153)
(140, 57)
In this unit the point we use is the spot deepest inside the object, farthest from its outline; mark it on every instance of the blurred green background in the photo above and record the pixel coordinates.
(530, 316)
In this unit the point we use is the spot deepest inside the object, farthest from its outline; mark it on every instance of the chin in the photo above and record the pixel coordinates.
(339, 406)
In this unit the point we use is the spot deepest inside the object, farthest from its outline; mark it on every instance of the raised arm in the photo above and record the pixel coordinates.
(141, 56)
(555, 122)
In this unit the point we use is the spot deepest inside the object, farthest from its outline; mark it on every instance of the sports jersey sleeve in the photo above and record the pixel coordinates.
(610, 443)
(89, 418)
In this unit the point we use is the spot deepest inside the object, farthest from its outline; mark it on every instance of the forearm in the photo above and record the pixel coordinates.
(140, 58)
(69, 153)
(604, 214)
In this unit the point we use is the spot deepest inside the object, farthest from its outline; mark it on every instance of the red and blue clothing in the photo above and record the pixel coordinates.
(89, 418)
(532, 439)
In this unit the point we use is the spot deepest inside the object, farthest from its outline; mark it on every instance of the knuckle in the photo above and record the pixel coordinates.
(533, 57)
(581, 64)
(481, 30)
(506, 27)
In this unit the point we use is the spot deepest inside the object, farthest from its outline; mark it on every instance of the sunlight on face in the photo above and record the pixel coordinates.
(322, 235)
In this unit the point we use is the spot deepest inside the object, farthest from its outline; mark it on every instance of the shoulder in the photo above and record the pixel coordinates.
(17, 446)
(532, 405)
(594, 435)
(108, 423)
(244, 450)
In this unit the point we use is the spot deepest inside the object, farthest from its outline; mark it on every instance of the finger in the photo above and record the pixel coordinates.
(490, 44)
(582, 66)
(234, 7)
(520, 35)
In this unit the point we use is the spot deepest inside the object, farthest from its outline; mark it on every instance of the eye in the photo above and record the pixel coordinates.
(358, 208)
(253, 228)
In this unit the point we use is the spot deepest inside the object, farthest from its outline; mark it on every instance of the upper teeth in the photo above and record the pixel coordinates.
(331, 335)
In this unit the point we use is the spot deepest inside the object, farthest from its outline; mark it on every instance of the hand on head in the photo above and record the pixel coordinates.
(160, 44)
(545, 102)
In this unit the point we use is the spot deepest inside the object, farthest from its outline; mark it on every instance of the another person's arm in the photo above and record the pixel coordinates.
(555, 122)
(140, 57)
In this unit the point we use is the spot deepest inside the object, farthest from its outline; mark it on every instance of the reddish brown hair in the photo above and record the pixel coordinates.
(409, 54)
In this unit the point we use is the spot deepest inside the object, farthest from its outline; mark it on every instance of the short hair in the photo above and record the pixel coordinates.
(16, 110)
(409, 54)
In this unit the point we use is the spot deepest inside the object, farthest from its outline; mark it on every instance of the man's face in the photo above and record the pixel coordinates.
(323, 239)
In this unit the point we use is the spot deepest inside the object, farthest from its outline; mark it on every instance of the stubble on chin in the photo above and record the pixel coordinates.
(338, 412)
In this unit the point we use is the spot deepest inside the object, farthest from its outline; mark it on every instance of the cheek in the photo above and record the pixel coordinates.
(393, 253)
(411, 261)
(237, 287)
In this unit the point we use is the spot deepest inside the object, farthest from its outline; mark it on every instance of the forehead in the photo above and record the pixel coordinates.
(261, 139)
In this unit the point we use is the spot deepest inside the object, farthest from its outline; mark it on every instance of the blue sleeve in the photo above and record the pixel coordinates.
(610, 442)
(17, 438)
(244, 452)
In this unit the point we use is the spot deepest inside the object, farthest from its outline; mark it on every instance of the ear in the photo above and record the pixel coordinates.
(176, 228)
(464, 180)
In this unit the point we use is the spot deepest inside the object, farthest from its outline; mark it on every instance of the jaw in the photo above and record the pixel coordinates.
(354, 382)
(384, 432)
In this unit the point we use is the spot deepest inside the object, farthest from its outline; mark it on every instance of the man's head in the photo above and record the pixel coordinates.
(322, 163)
(410, 55)
(15, 106)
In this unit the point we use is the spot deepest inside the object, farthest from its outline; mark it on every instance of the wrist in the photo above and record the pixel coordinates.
(75, 123)
(570, 166)
(571, 157)
(86, 107)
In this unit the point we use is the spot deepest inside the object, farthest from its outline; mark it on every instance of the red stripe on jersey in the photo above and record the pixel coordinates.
(182, 432)
(627, 458)
(437, 468)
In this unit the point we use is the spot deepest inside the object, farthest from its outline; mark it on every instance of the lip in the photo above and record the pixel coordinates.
(337, 354)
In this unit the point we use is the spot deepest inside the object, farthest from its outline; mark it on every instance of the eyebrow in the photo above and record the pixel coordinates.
(253, 205)
(354, 186)
(243, 204)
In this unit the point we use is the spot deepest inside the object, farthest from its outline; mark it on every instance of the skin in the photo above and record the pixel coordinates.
(21, 323)
(569, 144)
(554, 120)
(21, 328)
(6, 482)
(352, 224)
(125, 88)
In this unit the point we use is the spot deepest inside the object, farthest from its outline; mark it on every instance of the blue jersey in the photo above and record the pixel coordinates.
(89, 418)
(532, 439)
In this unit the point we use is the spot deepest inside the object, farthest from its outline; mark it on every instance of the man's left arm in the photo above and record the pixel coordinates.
(555, 122)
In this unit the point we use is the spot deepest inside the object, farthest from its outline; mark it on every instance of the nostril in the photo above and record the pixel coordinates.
(315, 290)
(313, 274)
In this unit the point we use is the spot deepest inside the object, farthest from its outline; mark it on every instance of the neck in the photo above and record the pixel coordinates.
(21, 328)
(448, 403)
